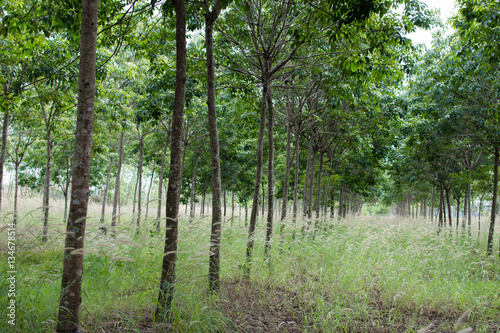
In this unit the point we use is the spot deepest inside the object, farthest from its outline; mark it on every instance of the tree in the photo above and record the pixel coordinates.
(71, 292)
(167, 280)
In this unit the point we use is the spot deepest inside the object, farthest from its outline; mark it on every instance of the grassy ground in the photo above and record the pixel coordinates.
(361, 274)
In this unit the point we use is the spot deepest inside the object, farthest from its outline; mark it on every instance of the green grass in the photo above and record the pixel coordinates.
(358, 275)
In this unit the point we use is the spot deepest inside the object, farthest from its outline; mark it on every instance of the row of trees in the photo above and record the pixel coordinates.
(304, 97)
(450, 125)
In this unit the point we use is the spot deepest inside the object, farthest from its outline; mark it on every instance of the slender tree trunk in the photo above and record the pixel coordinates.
(332, 198)
(288, 167)
(307, 176)
(116, 195)
(311, 185)
(468, 204)
(167, 280)
(202, 206)
(493, 201)
(270, 174)
(450, 222)
(193, 181)
(225, 203)
(215, 235)
(135, 193)
(139, 179)
(232, 202)
(458, 213)
(149, 192)
(3, 152)
(16, 180)
(318, 198)
(258, 180)
(432, 205)
(296, 181)
(160, 181)
(71, 296)
(441, 200)
(46, 188)
(105, 194)
(341, 202)
(246, 212)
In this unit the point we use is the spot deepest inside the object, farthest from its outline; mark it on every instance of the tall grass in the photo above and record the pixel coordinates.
(360, 274)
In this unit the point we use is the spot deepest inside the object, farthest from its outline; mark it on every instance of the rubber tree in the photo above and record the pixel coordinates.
(72, 272)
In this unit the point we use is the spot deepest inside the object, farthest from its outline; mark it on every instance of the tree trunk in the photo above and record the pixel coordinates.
(311, 185)
(288, 167)
(46, 188)
(139, 179)
(193, 181)
(441, 206)
(263, 206)
(296, 181)
(258, 180)
(469, 200)
(246, 212)
(167, 281)
(341, 202)
(432, 205)
(160, 181)
(306, 180)
(270, 174)
(71, 296)
(225, 203)
(493, 201)
(135, 193)
(149, 192)
(5, 134)
(105, 194)
(332, 198)
(318, 199)
(116, 195)
(232, 202)
(16, 179)
(450, 218)
(215, 235)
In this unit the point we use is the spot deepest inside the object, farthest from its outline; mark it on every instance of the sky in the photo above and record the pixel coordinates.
(447, 8)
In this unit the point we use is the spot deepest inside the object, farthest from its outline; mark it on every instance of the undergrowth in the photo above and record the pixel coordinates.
(360, 274)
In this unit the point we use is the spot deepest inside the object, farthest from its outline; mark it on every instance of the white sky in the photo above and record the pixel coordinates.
(447, 7)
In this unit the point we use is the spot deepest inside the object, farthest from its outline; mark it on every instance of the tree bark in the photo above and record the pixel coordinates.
(116, 195)
(69, 306)
(493, 200)
(167, 280)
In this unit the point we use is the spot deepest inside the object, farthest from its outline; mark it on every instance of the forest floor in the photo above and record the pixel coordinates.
(361, 274)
